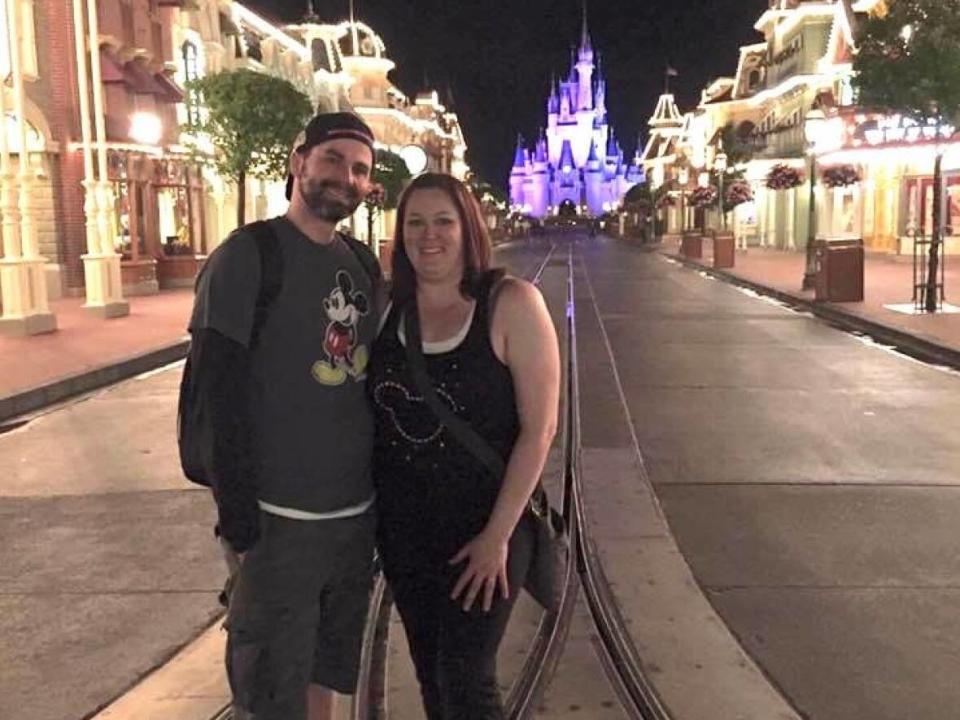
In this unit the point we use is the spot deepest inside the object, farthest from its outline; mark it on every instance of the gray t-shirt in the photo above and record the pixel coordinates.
(312, 429)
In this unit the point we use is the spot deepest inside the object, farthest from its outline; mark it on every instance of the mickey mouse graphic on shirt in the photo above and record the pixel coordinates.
(345, 358)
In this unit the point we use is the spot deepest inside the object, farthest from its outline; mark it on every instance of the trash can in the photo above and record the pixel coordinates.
(839, 270)
(724, 253)
(691, 245)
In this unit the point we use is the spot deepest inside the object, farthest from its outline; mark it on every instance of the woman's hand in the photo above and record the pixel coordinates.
(486, 557)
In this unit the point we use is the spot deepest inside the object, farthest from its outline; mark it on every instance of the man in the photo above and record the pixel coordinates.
(288, 432)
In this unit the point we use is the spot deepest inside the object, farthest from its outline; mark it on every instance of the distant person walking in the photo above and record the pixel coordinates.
(457, 542)
(281, 330)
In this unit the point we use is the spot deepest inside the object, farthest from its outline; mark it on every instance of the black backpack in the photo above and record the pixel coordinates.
(189, 413)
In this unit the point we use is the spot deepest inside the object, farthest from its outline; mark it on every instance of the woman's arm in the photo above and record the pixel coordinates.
(524, 339)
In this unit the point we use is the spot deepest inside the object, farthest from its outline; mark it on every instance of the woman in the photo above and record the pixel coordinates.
(456, 543)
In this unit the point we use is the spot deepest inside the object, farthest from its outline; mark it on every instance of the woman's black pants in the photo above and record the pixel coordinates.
(455, 652)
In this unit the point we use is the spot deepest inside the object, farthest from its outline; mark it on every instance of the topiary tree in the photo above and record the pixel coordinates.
(391, 172)
(906, 62)
(252, 120)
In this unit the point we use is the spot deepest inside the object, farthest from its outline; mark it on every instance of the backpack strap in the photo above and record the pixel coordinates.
(271, 274)
(365, 257)
(371, 266)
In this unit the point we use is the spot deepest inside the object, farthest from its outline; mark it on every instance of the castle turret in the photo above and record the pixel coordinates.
(600, 97)
(593, 181)
(538, 195)
(518, 174)
(613, 149)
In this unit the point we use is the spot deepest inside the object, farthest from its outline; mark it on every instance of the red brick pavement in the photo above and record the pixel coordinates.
(887, 280)
(84, 342)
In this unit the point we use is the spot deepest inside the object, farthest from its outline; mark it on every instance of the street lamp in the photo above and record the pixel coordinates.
(145, 128)
(720, 163)
(414, 158)
(683, 177)
(813, 125)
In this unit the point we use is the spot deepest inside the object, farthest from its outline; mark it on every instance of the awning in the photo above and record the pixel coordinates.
(141, 80)
(110, 69)
(169, 90)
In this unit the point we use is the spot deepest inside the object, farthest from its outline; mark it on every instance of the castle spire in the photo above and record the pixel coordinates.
(584, 33)
(520, 158)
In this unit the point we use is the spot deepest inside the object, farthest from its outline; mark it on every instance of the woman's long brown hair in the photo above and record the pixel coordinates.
(476, 240)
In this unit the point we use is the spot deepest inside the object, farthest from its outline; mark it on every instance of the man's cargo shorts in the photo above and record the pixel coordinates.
(297, 613)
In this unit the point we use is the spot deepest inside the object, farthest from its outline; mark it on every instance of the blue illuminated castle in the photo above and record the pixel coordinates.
(577, 163)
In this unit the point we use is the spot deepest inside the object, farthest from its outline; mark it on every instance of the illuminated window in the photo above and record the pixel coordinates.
(4, 41)
(27, 37)
(191, 71)
(28, 40)
(919, 206)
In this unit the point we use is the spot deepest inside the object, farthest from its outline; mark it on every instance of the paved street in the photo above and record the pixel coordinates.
(809, 479)
(107, 564)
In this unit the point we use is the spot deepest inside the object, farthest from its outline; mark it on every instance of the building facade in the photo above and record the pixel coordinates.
(577, 164)
(804, 62)
(99, 196)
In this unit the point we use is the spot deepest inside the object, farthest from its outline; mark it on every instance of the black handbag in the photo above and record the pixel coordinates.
(545, 578)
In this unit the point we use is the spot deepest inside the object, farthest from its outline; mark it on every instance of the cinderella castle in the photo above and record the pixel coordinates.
(577, 165)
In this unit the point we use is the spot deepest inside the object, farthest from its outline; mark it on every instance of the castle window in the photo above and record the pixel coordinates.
(753, 79)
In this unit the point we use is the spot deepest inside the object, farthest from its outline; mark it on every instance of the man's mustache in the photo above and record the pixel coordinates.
(348, 190)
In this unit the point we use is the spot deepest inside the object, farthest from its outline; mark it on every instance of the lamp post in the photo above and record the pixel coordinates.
(720, 163)
(812, 128)
(683, 177)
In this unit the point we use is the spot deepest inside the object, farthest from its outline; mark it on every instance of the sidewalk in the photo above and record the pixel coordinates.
(888, 280)
(87, 352)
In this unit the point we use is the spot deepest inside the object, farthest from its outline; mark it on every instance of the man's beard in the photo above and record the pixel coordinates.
(317, 197)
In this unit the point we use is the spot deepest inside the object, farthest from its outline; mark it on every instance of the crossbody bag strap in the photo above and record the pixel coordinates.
(459, 428)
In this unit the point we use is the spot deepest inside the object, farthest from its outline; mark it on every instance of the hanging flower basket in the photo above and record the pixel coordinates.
(841, 176)
(737, 193)
(704, 197)
(784, 177)
(376, 197)
(666, 201)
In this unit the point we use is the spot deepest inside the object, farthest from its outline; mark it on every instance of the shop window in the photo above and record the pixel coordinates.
(128, 236)
(919, 206)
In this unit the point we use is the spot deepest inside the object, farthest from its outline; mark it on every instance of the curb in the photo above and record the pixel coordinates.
(41, 396)
(916, 346)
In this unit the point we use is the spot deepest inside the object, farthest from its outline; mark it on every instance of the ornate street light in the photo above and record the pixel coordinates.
(813, 126)
(683, 177)
(720, 163)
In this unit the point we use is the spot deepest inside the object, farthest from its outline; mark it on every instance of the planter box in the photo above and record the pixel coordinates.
(178, 271)
(139, 277)
(691, 246)
(724, 247)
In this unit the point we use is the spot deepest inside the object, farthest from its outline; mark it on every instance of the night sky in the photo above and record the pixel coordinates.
(496, 56)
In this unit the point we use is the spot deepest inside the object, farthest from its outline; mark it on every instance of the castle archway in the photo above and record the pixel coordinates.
(567, 208)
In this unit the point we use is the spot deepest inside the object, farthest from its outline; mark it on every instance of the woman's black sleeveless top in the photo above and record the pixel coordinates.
(433, 495)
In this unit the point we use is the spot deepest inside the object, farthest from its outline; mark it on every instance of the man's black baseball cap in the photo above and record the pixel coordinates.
(331, 126)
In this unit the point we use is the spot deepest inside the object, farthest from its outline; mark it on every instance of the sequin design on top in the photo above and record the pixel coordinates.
(409, 413)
